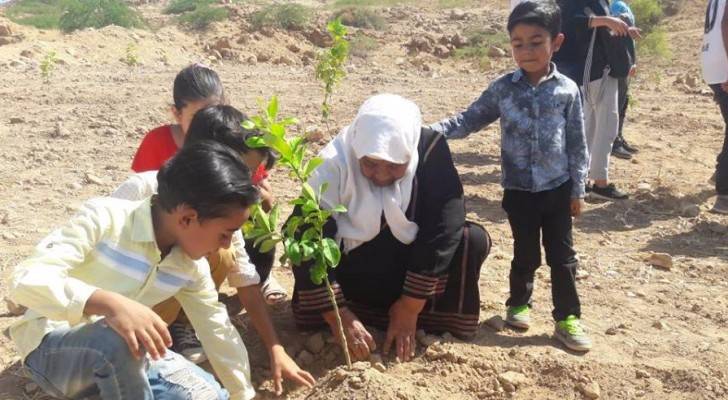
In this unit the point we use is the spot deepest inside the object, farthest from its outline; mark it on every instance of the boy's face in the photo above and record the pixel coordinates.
(200, 238)
(533, 47)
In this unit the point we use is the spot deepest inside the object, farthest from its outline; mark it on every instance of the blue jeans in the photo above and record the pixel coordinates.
(93, 361)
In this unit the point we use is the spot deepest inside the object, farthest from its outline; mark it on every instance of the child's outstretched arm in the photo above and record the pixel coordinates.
(219, 338)
(482, 112)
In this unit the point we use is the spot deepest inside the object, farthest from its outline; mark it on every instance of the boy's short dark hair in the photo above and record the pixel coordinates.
(543, 13)
(223, 124)
(208, 177)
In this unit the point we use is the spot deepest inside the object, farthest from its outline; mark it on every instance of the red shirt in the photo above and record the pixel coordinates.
(158, 146)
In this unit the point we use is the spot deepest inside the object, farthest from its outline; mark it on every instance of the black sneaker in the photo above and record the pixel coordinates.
(631, 149)
(185, 342)
(609, 192)
(620, 152)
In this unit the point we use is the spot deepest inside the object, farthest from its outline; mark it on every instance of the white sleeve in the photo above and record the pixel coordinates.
(243, 273)
(137, 186)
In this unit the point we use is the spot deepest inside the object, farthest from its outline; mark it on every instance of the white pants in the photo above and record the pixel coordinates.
(601, 124)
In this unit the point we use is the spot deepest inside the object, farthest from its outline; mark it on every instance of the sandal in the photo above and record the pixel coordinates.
(273, 292)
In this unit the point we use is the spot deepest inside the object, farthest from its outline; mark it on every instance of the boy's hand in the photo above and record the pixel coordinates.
(577, 205)
(403, 325)
(266, 195)
(136, 323)
(283, 366)
(633, 71)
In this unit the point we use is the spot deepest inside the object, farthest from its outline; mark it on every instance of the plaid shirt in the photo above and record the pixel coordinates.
(542, 130)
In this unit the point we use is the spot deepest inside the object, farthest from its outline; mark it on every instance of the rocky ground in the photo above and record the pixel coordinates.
(658, 321)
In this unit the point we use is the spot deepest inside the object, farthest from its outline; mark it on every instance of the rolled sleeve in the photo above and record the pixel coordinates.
(243, 273)
(221, 341)
(43, 282)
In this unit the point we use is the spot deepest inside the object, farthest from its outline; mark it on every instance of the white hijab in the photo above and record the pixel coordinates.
(387, 127)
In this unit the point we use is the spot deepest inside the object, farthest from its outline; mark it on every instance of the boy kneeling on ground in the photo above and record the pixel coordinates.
(89, 285)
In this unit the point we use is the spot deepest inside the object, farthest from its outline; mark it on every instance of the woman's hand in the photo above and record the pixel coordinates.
(403, 326)
(282, 366)
(360, 341)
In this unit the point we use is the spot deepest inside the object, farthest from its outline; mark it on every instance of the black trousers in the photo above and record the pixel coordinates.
(549, 212)
(371, 278)
(721, 169)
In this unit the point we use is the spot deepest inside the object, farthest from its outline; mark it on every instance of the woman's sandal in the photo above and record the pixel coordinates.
(273, 292)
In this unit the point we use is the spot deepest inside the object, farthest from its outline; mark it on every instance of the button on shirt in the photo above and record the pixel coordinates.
(542, 130)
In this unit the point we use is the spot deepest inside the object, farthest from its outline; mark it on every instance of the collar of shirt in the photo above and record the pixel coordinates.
(519, 75)
(142, 225)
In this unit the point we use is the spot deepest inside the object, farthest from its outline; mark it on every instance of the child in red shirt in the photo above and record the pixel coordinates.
(195, 88)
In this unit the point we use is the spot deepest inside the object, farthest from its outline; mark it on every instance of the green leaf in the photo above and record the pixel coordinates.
(308, 193)
(262, 216)
(261, 238)
(255, 142)
(310, 234)
(330, 251)
(274, 214)
(272, 108)
(294, 253)
(310, 206)
(249, 125)
(292, 225)
(308, 250)
(311, 166)
(317, 273)
(268, 245)
(339, 209)
(289, 121)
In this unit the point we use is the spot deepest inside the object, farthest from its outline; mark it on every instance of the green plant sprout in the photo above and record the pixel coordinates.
(131, 58)
(47, 66)
(330, 68)
(302, 235)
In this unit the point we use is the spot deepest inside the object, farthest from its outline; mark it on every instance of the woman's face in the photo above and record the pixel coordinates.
(381, 173)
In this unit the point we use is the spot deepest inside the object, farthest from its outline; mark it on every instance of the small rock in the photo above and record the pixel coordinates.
(221, 44)
(356, 382)
(590, 390)
(441, 51)
(644, 187)
(458, 14)
(283, 60)
(513, 379)
(248, 58)
(93, 179)
(641, 374)
(691, 81)
(459, 40)
(690, 211)
(314, 134)
(361, 366)
(263, 57)
(429, 340)
(611, 331)
(581, 274)
(319, 37)
(399, 61)
(659, 325)
(379, 367)
(75, 186)
(304, 358)
(16, 120)
(315, 343)
(293, 48)
(494, 52)
(496, 323)
(268, 31)
(30, 388)
(419, 44)
(59, 131)
(340, 374)
(660, 260)
(8, 236)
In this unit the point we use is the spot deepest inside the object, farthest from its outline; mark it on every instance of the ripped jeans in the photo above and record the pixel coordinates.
(92, 361)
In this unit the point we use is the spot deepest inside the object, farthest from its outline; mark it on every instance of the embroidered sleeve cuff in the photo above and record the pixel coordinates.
(318, 300)
(422, 286)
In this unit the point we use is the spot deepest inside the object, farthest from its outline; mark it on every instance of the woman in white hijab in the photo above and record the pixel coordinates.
(410, 260)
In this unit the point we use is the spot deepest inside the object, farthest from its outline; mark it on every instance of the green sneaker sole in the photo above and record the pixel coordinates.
(570, 343)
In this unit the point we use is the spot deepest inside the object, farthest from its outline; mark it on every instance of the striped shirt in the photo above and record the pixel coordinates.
(142, 185)
(110, 245)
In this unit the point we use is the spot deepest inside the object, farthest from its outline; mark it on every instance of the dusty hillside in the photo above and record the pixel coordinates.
(659, 334)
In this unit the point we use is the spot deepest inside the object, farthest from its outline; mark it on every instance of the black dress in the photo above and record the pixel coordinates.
(442, 265)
